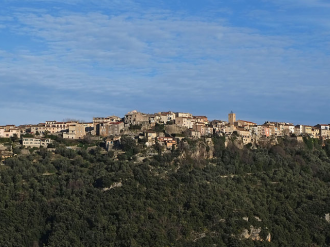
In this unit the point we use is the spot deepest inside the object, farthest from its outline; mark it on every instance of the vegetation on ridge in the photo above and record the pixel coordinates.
(88, 198)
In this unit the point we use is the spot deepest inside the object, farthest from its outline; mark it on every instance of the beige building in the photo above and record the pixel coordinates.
(307, 130)
(115, 128)
(245, 135)
(218, 123)
(274, 128)
(24, 129)
(325, 133)
(254, 130)
(231, 118)
(57, 127)
(323, 126)
(182, 114)
(194, 133)
(35, 142)
(277, 128)
(110, 119)
(169, 142)
(113, 142)
(153, 119)
(150, 135)
(218, 126)
(244, 124)
(89, 127)
(298, 129)
(288, 129)
(184, 122)
(201, 119)
(203, 129)
(2, 131)
(200, 127)
(9, 131)
(135, 118)
(163, 118)
(315, 132)
(39, 128)
(280, 128)
(166, 116)
(100, 120)
(108, 129)
(264, 130)
(75, 131)
(228, 130)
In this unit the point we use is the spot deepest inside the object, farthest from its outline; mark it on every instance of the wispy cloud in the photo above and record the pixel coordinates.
(102, 63)
(302, 3)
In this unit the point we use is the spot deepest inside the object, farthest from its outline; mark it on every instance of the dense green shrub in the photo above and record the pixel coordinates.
(171, 199)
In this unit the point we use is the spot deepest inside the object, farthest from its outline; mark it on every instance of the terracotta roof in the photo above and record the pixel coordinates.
(246, 121)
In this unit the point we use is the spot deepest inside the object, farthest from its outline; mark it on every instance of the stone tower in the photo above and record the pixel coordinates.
(231, 118)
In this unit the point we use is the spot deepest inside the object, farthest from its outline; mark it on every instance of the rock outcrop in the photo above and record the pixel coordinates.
(114, 185)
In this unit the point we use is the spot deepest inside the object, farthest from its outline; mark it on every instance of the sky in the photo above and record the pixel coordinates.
(265, 60)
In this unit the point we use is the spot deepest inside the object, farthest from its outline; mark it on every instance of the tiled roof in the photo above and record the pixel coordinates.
(246, 121)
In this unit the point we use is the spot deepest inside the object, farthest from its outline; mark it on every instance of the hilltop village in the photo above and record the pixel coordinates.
(164, 179)
(166, 129)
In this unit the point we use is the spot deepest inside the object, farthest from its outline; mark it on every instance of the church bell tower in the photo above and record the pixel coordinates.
(231, 118)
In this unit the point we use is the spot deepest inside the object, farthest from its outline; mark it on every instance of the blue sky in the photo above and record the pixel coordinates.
(263, 59)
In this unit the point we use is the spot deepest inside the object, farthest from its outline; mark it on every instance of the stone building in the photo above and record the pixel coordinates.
(108, 129)
(100, 120)
(231, 118)
(35, 142)
(112, 142)
(136, 118)
(75, 131)
(9, 131)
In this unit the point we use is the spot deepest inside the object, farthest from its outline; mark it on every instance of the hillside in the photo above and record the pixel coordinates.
(268, 196)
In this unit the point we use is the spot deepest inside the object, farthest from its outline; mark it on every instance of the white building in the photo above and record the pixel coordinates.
(35, 142)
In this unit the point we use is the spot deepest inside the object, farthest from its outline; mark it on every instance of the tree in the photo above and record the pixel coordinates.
(159, 127)
(88, 139)
(14, 138)
(127, 143)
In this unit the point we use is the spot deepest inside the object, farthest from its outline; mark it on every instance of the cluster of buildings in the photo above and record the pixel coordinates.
(142, 126)
(250, 131)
